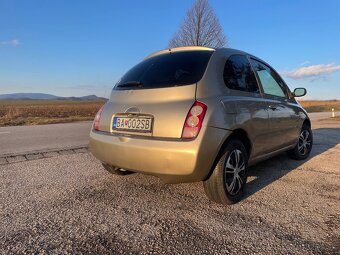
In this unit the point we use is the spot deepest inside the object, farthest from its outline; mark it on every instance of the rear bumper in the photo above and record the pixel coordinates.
(174, 161)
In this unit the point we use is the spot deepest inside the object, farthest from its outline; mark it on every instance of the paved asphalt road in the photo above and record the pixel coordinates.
(321, 115)
(33, 138)
(68, 204)
(20, 139)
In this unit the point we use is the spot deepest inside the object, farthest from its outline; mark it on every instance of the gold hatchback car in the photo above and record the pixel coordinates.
(193, 114)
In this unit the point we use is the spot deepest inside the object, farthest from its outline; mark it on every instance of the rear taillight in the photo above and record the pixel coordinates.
(97, 119)
(194, 120)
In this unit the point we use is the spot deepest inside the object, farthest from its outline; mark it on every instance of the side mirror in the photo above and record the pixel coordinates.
(299, 92)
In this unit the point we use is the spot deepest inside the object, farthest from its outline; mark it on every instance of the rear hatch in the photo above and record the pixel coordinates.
(154, 97)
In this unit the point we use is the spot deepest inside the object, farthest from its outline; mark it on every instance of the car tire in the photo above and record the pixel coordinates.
(226, 184)
(304, 145)
(116, 170)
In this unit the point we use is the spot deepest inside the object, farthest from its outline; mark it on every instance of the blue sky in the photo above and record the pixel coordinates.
(83, 47)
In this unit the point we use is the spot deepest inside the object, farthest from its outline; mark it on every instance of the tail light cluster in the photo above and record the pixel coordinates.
(194, 120)
(97, 119)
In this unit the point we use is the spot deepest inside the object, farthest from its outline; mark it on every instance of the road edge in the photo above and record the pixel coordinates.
(40, 154)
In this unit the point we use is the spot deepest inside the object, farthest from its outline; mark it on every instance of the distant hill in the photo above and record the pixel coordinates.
(42, 96)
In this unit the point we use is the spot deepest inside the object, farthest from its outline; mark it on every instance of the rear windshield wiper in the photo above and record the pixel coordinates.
(131, 84)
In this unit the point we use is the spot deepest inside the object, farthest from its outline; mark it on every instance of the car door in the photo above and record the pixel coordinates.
(282, 116)
(244, 95)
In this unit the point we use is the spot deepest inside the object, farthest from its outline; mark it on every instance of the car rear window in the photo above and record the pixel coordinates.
(166, 70)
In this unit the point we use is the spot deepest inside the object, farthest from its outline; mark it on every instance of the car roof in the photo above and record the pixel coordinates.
(179, 49)
(229, 51)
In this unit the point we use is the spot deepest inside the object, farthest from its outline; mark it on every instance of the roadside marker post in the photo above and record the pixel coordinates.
(333, 113)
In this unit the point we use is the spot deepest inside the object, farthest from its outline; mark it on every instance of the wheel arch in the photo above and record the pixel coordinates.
(240, 134)
(307, 122)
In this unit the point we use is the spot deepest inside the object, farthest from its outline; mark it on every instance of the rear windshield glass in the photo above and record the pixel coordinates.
(167, 70)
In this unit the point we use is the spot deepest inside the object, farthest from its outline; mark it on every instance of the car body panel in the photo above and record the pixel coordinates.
(168, 107)
(284, 123)
(164, 154)
(241, 110)
(173, 160)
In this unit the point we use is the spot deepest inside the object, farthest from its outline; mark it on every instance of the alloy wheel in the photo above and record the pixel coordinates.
(234, 172)
(305, 141)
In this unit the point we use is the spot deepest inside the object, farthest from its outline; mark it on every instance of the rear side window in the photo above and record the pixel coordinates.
(271, 82)
(239, 75)
(166, 70)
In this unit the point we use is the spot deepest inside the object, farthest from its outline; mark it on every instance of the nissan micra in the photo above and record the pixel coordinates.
(193, 114)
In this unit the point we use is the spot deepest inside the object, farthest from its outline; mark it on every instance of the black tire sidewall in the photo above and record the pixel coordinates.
(215, 186)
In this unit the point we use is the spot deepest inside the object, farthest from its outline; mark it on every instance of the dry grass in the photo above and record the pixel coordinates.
(321, 105)
(35, 112)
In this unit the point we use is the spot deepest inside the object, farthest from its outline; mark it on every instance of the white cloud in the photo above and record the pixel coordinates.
(312, 71)
(14, 42)
(304, 63)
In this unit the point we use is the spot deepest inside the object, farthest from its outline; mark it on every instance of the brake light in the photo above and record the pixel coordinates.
(97, 119)
(194, 120)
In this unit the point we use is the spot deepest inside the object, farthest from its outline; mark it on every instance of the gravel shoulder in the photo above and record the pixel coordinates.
(68, 204)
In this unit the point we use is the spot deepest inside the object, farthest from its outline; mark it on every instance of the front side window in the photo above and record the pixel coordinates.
(238, 74)
(271, 83)
(166, 70)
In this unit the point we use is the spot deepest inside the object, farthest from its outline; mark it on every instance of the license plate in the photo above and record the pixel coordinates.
(135, 124)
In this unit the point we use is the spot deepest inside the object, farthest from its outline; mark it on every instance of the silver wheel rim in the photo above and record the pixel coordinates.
(305, 141)
(234, 171)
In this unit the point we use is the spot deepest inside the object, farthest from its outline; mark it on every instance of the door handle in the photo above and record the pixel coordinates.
(272, 107)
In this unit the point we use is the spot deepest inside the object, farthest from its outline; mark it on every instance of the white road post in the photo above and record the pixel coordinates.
(333, 113)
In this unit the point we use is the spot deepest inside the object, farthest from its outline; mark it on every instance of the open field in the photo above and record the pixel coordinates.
(34, 112)
(321, 105)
